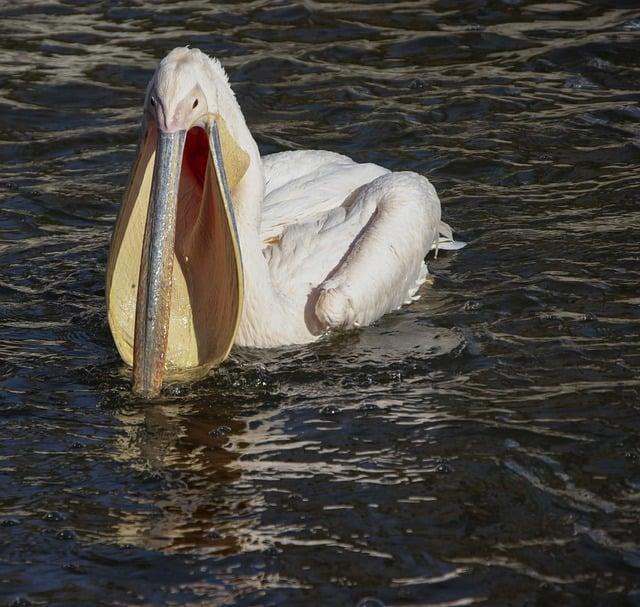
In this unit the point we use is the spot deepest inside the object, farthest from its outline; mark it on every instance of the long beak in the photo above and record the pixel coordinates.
(153, 304)
(190, 283)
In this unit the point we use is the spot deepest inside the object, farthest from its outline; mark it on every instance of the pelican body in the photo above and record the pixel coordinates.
(216, 246)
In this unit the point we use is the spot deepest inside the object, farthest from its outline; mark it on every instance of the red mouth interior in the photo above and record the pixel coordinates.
(205, 253)
(192, 205)
(196, 153)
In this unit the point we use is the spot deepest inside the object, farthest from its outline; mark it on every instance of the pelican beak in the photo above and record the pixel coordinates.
(153, 305)
(174, 276)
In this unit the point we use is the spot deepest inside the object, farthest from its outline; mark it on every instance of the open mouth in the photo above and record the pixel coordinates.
(174, 277)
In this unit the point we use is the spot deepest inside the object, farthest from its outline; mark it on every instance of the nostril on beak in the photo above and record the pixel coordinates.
(195, 104)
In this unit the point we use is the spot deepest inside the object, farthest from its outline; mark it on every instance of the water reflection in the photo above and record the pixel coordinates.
(189, 451)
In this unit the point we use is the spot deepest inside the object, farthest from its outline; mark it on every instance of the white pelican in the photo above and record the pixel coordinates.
(231, 248)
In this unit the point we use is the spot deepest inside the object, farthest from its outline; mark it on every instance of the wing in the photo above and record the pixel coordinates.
(303, 186)
(305, 253)
(362, 259)
(384, 266)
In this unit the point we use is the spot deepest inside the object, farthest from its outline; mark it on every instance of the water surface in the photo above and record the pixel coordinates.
(480, 446)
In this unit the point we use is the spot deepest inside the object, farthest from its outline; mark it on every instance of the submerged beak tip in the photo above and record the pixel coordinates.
(146, 394)
(145, 387)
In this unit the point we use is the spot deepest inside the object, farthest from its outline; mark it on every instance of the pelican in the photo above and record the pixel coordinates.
(216, 246)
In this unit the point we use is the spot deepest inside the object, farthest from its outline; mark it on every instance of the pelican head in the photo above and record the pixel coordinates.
(174, 274)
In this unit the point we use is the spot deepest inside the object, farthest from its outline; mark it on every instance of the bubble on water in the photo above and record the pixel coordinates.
(330, 410)
(153, 476)
(366, 380)
(444, 468)
(175, 389)
(392, 376)
(65, 534)
(53, 517)
(219, 432)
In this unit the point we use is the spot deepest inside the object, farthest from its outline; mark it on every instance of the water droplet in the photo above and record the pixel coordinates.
(330, 410)
(65, 534)
(175, 389)
(443, 468)
(53, 517)
(153, 476)
(219, 432)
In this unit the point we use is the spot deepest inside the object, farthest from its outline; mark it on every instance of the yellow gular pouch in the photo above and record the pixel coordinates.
(206, 286)
(236, 160)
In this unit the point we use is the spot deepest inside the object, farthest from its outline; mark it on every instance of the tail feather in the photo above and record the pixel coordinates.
(445, 240)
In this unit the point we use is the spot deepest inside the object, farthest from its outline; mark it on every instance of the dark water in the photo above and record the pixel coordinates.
(480, 446)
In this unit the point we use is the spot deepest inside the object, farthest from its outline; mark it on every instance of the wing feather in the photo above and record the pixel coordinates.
(302, 186)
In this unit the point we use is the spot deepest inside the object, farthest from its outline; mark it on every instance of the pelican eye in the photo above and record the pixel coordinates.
(195, 103)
